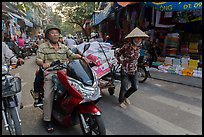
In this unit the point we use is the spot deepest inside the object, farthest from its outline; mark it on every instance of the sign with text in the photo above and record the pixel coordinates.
(175, 6)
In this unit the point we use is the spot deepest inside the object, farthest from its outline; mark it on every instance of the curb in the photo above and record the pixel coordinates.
(177, 79)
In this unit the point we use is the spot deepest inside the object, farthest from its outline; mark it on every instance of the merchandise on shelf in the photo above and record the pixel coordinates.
(184, 62)
(193, 47)
(171, 44)
(193, 64)
(168, 61)
(187, 72)
(176, 62)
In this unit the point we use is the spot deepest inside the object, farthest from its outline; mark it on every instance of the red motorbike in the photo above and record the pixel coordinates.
(76, 92)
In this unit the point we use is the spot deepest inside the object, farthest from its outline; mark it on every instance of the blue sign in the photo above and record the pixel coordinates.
(175, 6)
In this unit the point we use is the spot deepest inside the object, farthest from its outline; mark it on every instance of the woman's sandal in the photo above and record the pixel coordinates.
(49, 127)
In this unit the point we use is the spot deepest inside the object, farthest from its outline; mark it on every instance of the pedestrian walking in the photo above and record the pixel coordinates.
(128, 56)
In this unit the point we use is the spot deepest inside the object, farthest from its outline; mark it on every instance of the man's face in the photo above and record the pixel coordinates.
(54, 35)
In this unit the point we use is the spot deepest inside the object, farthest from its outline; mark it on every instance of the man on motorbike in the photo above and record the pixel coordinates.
(128, 56)
(48, 52)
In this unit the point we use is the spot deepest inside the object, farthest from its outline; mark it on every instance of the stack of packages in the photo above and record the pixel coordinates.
(193, 47)
(166, 65)
(177, 66)
(95, 54)
(193, 64)
(171, 65)
(197, 73)
(171, 43)
(184, 48)
(184, 64)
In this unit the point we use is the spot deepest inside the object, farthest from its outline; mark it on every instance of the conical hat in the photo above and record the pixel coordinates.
(136, 33)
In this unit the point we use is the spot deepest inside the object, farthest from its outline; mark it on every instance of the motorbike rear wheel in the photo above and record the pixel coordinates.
(92, 124)
(14, 124)
(142, 74)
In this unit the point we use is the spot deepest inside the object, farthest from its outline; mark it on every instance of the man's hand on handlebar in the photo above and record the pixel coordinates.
(46, 65)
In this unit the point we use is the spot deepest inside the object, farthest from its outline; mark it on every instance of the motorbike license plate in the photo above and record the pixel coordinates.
(147, 68)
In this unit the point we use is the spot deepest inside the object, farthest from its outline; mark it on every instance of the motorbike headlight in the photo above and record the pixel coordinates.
(5, 69)
(89, 93)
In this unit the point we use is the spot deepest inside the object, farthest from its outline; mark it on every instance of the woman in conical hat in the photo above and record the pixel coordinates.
(128, 56)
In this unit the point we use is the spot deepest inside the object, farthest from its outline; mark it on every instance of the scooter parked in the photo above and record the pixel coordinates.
(11, 94)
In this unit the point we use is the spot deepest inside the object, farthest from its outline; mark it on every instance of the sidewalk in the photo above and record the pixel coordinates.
(175, 78)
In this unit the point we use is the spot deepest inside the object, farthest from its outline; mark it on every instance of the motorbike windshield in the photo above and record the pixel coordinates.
(80, 71)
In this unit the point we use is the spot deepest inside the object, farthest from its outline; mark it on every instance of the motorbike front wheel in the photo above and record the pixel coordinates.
(92, 124)
(13, 121)
(142, 74)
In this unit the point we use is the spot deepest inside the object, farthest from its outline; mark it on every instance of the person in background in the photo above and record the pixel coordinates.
(69, 42)
(21, 42)
(61, 39)
(128, 56)
(153, 53)
(6, 38)
(27, 40)
(107, 39)
(40, 39)
(95, 37)
(142, 53)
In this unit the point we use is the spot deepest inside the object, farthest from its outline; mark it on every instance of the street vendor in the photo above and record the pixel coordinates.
(128, 56)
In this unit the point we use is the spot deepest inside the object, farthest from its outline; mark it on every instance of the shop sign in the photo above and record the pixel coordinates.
(175, 6)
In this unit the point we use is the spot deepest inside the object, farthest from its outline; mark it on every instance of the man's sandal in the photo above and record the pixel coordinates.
(49, 127)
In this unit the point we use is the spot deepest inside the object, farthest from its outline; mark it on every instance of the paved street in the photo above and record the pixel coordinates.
(157, 108)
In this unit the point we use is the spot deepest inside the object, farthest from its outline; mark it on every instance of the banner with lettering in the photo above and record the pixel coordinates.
(175, 6)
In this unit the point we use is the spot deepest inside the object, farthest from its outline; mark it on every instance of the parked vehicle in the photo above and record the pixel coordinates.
(21, 53)
(28, 49)
(11, 86)
(76, 93)
(34, 47)
(142, 69)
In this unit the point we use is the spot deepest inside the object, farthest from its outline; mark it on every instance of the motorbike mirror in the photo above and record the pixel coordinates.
(10, 59)
(86, 47)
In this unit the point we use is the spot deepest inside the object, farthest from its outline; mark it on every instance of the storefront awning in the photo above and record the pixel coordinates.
(5, 15)
(27, 22)
(15, 15)
(102, 15)
(175, 6)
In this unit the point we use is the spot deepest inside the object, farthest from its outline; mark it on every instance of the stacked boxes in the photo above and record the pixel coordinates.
(193, 64)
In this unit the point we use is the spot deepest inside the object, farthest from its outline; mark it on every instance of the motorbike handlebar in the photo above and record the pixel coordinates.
(55, 65)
